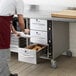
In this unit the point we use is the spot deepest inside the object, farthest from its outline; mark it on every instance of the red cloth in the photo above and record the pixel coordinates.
(5, 22)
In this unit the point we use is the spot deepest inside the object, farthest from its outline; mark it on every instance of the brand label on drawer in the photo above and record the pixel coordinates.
(38, 24)
(35, 33)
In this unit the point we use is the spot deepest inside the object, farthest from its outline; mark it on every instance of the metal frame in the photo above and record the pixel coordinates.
(58, 39)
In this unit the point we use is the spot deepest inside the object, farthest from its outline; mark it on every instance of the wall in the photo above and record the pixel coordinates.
(54, 5)
(72, 34)
(52, 2)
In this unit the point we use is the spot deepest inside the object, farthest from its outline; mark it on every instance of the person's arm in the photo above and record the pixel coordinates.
(22, 24)
(20, 12)
(13, 29)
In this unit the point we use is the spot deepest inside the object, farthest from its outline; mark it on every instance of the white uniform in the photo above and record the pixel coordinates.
(8, 8)
(11, 7)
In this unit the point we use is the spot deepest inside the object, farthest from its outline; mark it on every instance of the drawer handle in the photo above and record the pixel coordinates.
(25, 51)
(37, 20)
(37, 33)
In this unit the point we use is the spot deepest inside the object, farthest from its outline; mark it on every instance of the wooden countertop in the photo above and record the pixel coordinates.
(65, 14)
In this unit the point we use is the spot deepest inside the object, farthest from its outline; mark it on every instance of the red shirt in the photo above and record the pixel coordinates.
(5, 22)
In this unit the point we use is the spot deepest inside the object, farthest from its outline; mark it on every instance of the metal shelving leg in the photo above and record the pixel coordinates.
(53, 64)
(69, 53)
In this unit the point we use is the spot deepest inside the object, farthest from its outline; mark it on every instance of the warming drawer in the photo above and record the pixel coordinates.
(39, 37)
(38, 24)
(31, 53)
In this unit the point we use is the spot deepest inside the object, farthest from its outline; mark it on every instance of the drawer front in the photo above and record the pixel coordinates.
(38, 24)
(39, 41)
(38, 37)
(35, 33)
(14, 40)
(27, 52)
(14, 43)
(28, 59)
(14, 48)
